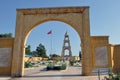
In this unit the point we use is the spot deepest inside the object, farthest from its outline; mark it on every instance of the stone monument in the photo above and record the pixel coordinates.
(66, 46)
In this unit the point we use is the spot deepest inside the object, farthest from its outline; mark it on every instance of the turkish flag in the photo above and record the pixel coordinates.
(50, 32)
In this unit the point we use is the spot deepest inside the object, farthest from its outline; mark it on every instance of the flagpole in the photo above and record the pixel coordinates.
(50, 33)
(51, 45)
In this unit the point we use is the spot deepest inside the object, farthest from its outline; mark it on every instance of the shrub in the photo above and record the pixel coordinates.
(43, 63)
(63, 67)
(72, 62)
(28, 64)
(112, 76)
(75, 63)
(57, 68)
(50, 66)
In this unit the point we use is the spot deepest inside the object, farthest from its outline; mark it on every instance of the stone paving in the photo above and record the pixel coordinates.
(71, 73)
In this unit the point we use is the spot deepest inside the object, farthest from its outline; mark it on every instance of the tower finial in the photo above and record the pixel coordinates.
(66, 33)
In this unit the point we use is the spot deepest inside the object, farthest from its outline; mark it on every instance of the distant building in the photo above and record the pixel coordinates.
(75, 58)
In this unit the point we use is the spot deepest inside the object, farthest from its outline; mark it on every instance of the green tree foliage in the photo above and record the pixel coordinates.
(80, 55)
(6, 35)
(34, 53)
(54, 55)
(28, 50)
(41, 51)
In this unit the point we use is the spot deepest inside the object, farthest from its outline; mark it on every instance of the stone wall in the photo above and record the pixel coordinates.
(100, 53)
(115, 52)
(6, 48)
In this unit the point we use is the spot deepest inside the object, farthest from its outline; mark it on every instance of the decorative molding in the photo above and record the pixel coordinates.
(33, 11)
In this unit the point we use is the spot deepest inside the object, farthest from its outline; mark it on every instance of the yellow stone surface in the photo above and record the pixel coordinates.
(6, 43)
(28, 59)
(75, 58)
(27, 19)
(115, 56)
(77, 17)
(101, 41)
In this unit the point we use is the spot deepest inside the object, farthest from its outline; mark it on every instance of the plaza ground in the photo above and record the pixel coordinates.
(39, 73)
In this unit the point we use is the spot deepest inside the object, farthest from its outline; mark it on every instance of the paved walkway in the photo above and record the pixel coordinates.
(71, 73)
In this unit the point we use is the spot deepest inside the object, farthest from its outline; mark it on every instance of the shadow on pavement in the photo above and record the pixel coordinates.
(45, 76)
(67, 75)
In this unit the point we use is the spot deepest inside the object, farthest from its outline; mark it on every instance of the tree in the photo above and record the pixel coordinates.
(28, 50)
(6, 35)
(41, 51)
(34, 53)
(54, 55)
(80, 55)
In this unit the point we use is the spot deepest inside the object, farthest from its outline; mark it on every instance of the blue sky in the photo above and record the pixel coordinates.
(104, 20)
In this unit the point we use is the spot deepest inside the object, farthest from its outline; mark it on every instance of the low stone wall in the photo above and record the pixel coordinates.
(75, 58)
(6, 50)
(29, 59)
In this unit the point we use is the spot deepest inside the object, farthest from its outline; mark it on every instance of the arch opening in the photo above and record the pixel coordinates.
(57, 35)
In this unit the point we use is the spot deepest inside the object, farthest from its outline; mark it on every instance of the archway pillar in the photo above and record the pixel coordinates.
(18, 50)
(86, 46)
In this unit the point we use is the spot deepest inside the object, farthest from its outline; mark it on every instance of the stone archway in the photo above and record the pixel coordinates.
(27, 19)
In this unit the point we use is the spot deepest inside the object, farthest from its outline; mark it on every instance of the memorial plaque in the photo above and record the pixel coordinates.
(5, 57)
(101, 56)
